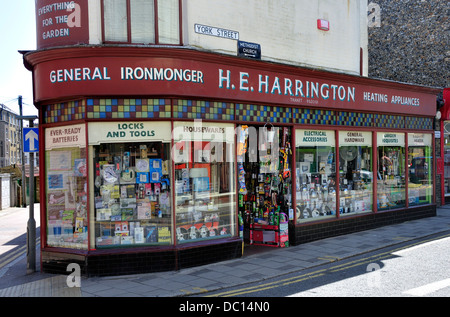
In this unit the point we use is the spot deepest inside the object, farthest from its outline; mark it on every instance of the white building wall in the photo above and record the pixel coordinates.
(286, 30)
(6, 191)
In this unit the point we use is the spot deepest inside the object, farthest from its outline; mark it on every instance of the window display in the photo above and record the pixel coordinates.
(355, 172)
(203, 155)
(315, 175)
(66, 186)
(420, 164)
(132, 194)
(130, 168)
(391, 170)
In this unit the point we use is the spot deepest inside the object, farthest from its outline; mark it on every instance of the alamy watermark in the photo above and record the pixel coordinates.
(374, 17)
(74, 278)
(374, 275)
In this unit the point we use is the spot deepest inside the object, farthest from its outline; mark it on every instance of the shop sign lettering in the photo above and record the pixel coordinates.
(391, 139)
(163, 76)
(314, 138)
(131, 130)
(395, 99)
(65, 136)
(295, 88)
(61, 22)
(419, 139)
(358, 138)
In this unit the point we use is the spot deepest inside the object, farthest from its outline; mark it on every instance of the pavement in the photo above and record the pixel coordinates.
(257, 264)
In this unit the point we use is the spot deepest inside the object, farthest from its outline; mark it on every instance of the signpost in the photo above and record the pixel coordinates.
(31, 145)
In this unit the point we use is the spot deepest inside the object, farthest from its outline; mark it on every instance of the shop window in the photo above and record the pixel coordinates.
(315, 175)
(132, 196)
(203, 155)
(446, 140)
(355, 172)
(420, 164)
(66, 187)
(133, 21)
(391, 170)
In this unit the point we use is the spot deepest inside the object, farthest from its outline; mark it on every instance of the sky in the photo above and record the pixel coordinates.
(17, 32)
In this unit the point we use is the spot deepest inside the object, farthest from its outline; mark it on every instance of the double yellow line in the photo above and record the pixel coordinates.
(15, 254)
(318, 273)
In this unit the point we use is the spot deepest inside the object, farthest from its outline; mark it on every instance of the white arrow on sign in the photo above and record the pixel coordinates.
(32, 136)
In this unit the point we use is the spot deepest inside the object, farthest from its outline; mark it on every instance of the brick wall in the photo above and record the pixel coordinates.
(411, 44)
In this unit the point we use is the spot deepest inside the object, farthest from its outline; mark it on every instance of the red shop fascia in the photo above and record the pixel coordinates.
(65, 74)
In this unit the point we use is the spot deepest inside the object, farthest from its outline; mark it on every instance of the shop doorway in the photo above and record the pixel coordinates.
(264, 186)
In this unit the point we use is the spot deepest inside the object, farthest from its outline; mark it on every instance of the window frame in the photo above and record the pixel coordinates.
(129, 40)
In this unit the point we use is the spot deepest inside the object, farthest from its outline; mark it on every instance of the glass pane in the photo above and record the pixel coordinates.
(355, 172)
(142, 21)
(66, 187)
(115, 19)
(132, 194)
(391, 170)
(204, 182)
(446, 141)
(315, 175)
(169, 21)
(420, 163)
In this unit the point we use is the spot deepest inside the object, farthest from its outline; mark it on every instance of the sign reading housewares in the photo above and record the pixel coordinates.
(134, 76)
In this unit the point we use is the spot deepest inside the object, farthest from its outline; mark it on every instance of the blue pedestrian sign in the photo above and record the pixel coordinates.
(31, 140)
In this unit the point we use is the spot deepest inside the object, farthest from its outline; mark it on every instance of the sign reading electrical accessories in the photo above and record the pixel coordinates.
(214, 31)
(250, 50)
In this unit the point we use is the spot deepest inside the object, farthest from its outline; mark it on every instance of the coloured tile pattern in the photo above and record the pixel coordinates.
(66, 111)
(389, 121)
(128, 108)
(354, 119)
(419, 123)
(261, 113)
(222, 111)
(207, 110)
(314, 116)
